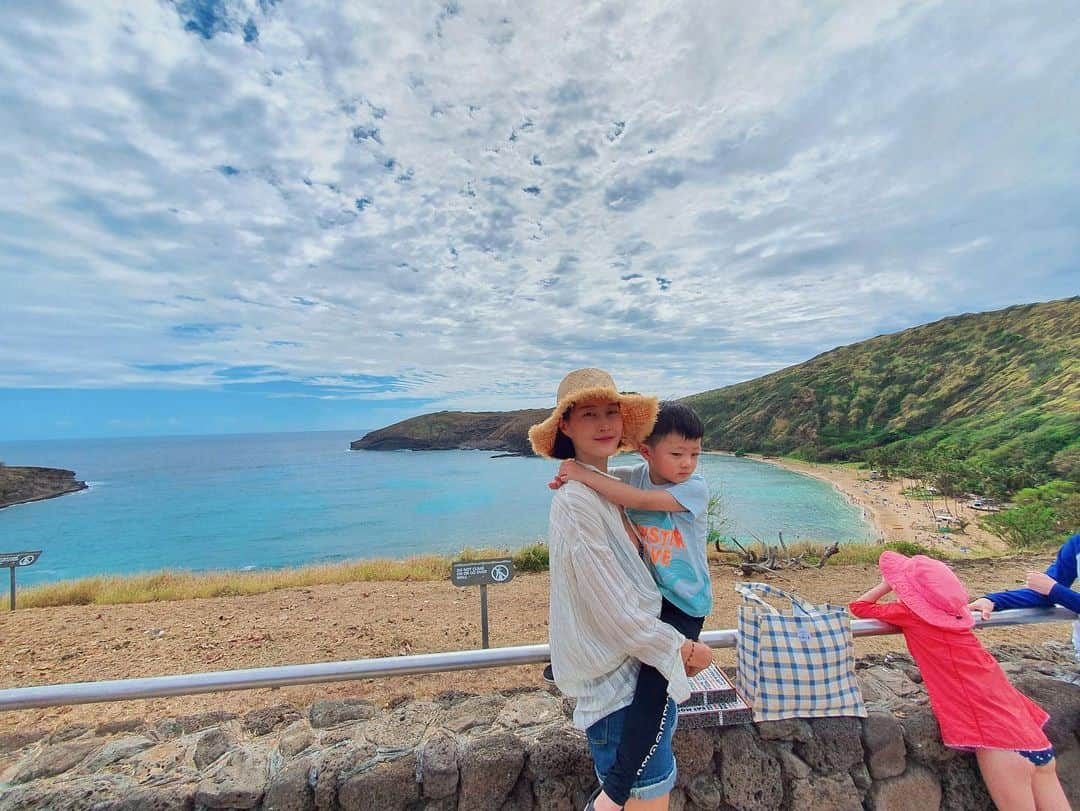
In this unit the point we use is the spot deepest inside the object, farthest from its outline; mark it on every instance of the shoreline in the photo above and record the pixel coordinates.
(4, 505)
(893, 516)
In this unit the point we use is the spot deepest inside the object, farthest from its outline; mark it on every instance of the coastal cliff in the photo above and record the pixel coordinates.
(457, 430)
(19, 485)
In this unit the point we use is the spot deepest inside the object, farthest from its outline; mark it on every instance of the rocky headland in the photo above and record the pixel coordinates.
(504, 431)
(19, 485)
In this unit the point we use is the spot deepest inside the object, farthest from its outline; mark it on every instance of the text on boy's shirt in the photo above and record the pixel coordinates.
(659, 541)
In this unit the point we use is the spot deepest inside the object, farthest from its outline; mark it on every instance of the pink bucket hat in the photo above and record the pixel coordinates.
(929, 588)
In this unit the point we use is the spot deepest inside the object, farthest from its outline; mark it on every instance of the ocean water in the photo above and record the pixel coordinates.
(273, 500)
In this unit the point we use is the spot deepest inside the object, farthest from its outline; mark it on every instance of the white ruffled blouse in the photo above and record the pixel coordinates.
(605, 609)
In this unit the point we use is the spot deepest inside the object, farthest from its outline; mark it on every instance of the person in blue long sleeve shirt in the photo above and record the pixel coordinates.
(1054, 587)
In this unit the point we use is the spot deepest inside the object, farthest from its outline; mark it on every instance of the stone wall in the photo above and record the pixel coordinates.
(516, 750)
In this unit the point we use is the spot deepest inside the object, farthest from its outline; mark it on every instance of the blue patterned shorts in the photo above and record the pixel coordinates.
(1040, 757)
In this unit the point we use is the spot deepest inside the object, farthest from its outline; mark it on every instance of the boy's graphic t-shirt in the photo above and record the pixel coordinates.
(675, 541)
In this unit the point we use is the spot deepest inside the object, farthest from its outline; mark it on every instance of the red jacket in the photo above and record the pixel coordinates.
(975, 704)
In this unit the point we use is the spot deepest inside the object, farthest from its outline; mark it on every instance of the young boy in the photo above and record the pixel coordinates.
(666, 501)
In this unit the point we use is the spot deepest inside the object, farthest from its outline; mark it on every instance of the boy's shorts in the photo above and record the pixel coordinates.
(658, 776)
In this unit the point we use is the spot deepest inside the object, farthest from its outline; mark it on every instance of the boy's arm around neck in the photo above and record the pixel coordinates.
(623, 494)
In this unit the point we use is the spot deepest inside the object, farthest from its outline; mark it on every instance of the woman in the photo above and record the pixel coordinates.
(604, 610)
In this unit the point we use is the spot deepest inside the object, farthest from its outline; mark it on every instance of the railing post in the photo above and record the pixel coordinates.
(483, 617)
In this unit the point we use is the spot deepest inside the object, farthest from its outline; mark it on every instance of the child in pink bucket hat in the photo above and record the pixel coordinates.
(975, 705)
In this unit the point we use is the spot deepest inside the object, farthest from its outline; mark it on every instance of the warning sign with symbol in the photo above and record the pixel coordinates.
(482, 572)
(11, 559)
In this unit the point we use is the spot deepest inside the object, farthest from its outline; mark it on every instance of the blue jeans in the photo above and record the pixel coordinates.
(657, 776)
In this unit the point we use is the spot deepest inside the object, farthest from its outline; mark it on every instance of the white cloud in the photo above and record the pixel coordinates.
(470, 199)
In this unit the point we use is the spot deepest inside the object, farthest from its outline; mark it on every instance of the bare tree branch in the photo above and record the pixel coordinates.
(756, 568)
(828, 553)
(741, 547)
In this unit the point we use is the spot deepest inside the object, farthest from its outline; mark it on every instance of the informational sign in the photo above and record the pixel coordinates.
(19, 558)
(12, 560)
(482, 573)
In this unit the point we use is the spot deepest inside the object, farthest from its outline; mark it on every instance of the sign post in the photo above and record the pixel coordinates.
(482, 573)
(13, 560)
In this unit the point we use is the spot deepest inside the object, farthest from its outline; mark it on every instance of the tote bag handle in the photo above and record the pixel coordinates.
(752, 591)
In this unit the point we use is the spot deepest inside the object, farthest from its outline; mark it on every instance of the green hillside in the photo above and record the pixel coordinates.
(1001, 388)
(999, 391)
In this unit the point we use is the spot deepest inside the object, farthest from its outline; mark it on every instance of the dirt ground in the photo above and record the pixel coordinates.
(331, 623)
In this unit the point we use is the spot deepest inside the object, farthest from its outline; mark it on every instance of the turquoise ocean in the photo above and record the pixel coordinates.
(272, 500)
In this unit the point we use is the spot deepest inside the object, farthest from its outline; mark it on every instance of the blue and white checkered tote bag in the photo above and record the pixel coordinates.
(798, 663)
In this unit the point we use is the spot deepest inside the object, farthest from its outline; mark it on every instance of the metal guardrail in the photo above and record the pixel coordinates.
(52, 695)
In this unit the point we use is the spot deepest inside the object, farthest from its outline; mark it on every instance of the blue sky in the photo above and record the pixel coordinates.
(222, 216)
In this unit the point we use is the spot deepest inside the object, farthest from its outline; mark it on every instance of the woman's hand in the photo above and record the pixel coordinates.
(696, 657)
(1040, 582)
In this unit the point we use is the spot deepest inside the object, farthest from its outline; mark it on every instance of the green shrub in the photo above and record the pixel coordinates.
(532, 558)
(910, 548)
(869, 553)
(1028, 526)
(1043, 516)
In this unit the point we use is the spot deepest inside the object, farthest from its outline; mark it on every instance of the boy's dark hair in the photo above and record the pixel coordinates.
(675, 418)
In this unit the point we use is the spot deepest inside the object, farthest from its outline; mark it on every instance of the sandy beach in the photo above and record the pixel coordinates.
(894, 516)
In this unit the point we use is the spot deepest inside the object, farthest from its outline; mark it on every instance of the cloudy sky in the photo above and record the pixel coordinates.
(248, 215)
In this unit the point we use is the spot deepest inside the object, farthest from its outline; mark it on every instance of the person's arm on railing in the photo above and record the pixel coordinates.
(1053, 590)
(867, 606)
(874, 594)
(1062, 571)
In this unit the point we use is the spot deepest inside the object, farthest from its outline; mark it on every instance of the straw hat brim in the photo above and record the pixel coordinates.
(638, 416)
(896, 570)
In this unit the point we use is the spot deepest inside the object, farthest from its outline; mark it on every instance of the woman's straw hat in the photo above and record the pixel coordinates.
(638, 411)
(929, 588)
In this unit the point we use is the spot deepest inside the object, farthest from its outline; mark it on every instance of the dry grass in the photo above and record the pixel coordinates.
(180, 585)
(849, 554)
